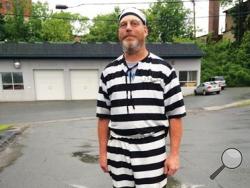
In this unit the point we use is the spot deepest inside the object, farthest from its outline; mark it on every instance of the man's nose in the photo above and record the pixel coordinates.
(128, 27)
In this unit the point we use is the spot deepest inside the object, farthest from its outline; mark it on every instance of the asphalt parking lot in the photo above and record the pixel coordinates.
(43, 154)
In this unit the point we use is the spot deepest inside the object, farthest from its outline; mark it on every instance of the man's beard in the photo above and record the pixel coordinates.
(131, 47)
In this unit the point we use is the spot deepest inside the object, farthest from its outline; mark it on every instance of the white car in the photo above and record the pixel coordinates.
(219, 80)
(207, 88)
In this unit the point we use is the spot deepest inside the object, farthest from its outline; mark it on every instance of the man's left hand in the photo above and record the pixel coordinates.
(171, 165)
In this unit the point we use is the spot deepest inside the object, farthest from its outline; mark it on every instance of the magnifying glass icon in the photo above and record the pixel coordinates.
(231, 158)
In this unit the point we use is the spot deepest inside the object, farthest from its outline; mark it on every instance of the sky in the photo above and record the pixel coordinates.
(91, 11)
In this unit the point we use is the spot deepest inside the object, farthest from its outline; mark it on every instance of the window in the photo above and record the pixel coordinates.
(188, 78)
(12, 80)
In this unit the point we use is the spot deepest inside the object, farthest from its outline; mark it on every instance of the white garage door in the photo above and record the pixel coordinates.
(49, 84)
(84, 84)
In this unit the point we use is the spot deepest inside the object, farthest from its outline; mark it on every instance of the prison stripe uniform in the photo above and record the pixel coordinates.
(138, 108)
(137, 162)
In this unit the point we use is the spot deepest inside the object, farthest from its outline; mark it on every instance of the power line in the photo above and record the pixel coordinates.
(93, 19)
(143, 2)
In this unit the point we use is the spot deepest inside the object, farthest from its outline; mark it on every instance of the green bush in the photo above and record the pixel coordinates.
(228, 59)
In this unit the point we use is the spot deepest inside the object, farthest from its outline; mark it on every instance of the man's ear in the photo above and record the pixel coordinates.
(146, 31)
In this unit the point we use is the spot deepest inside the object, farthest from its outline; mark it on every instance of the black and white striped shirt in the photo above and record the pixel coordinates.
(139, 106)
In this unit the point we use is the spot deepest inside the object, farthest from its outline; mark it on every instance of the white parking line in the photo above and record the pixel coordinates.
(191, 186)
(77, 186)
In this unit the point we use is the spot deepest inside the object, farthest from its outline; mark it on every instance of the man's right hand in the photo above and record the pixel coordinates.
(103, 136)
(103, 162)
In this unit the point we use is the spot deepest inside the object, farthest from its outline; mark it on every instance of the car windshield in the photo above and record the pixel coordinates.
(213, 83)
(217, 78)
(208, 83)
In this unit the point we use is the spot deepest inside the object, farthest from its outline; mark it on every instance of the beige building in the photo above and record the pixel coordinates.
(229, 22)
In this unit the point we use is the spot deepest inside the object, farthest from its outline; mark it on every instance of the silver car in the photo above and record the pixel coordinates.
(207, 88)
(219, 80)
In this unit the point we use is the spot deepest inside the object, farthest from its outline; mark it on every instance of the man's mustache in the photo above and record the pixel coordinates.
(128, 36)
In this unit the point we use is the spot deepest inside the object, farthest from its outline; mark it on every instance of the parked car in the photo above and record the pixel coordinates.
(207, 88)
(219, 80)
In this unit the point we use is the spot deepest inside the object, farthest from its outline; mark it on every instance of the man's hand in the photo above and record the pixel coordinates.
(103, 135)
(103, 162)
(171, 165)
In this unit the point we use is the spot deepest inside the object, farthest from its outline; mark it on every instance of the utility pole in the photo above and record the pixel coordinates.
(240, 20)
(194, 24)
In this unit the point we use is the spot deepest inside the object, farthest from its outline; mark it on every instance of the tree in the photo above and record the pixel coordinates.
(231, 60)
(243, 51)
(104, 28)
(16, 28)
(216, 56)
(2, 32)
(2, 29)
(239, 13)
(168, 19)
(42, 24)
(225, 3)
(59, 27)
(40, 13)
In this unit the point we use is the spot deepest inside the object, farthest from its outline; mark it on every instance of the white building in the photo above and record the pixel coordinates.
(64, 71)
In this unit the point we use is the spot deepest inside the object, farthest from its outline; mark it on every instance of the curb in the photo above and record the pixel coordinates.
(231, 105)
(8, 136)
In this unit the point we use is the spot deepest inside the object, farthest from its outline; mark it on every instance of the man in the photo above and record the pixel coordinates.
(139, 102)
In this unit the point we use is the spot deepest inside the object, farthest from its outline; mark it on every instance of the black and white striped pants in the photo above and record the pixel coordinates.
(137, 162)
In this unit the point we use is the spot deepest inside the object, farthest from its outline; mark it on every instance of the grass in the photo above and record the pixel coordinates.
(244, 103)
(4, 127)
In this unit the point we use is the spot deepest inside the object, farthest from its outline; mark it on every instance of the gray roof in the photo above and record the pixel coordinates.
(91, 50)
